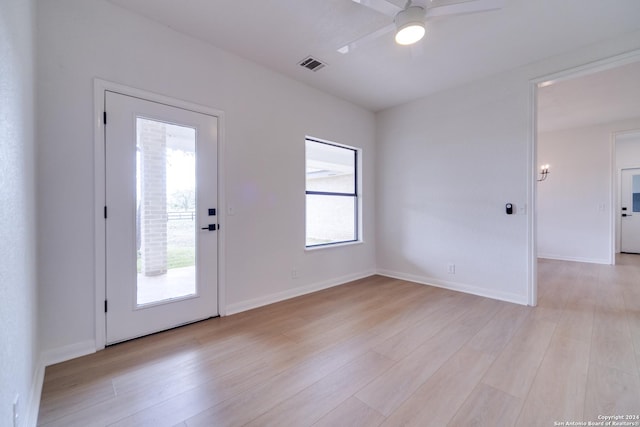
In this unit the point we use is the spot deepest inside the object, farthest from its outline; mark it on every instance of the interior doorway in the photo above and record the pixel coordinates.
(578, 117)
(627, 192)
(577, 222)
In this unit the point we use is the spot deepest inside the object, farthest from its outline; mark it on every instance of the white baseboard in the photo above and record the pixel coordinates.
(454, 286)
(575, 259)
(68, 352)
(33, 405)
(295, 292)
(47, 358)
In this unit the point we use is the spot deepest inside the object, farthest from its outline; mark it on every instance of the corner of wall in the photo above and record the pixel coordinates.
(68, 352)
(33, 405)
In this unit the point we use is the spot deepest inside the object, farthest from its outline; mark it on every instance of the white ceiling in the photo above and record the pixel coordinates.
(597, 98)
(278, 34)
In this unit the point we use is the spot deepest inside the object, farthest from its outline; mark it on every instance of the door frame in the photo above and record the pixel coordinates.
(99, 88)
(617, 222)
(532, 223)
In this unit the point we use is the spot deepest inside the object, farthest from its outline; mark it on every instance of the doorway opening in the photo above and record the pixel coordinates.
(576, 114)
(627, 191)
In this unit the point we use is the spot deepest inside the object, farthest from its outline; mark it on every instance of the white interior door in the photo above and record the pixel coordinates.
(630, 211)
(161, 196)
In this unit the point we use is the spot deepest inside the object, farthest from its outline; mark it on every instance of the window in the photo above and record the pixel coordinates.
(331, 193)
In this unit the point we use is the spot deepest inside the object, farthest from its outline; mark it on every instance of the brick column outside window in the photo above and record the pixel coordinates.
(153, 207)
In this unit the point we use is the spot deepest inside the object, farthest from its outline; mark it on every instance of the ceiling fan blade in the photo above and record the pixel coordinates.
(365, 39)
(464, 7)
(381, 6)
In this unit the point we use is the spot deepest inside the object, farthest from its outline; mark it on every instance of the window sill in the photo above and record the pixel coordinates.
(333, 245)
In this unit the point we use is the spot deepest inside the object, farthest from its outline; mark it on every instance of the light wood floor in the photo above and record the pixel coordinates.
(377, 352)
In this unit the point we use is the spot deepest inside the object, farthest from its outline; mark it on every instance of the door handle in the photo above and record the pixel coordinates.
(626, 215)
(211, 227)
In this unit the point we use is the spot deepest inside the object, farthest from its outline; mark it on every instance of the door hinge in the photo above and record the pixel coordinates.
(105, 212)
(105, 306)
(104, 117)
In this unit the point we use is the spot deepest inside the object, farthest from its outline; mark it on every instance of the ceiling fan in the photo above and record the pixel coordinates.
(409, 22)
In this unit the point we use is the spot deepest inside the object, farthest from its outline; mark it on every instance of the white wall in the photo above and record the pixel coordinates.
(574, 203)
(19, 353)
(627, 152)
(627, 145)
(267, 117)
(448, 164)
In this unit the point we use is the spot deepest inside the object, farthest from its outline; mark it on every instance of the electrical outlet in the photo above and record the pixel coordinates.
(451, 268)
(294, 274)
(16, 411)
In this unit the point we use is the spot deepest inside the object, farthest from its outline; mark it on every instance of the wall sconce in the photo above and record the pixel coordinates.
(544, 171)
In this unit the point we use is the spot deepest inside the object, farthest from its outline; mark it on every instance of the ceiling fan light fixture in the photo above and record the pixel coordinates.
(410, 25)
(410, 34)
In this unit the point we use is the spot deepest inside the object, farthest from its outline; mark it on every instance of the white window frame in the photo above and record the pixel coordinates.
(356, 196)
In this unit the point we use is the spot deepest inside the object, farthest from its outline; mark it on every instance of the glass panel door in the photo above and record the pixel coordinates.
(161, 227)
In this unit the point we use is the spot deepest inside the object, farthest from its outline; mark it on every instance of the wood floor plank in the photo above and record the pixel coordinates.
(134, 398)
(516, 367)
(197, 399)
(396, 385)
(404, 316)
(120, 358)
(192, 369)
(351, 413)
(436, 317)
(612, 345)
(320, 398)
(57, 405)
(493, 338)
(352, 315)
(436, 402)
(349, 300)
(632, 302)
(577, 318)
(70, 386)
(385, 320)
(552, 299)
(206, 395)
(559, 388)
(376, 351)
(611, 391)
(633, 321)
(488, 406)
(256, 401)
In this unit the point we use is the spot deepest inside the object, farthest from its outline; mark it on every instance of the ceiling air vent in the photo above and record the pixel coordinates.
(312, 63)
